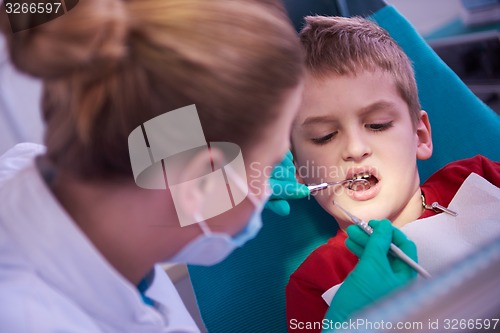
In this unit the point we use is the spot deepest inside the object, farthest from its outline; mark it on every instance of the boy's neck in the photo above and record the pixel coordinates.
(413, 210)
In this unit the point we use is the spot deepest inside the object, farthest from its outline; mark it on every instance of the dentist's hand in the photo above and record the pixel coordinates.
(377, 273)
(284, 186)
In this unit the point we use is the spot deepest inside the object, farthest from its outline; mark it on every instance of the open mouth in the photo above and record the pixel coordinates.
(362, 181)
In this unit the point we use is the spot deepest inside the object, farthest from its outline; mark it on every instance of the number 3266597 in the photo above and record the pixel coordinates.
(33, 7)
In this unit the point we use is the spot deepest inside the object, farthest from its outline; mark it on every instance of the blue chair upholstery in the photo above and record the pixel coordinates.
(246, 293)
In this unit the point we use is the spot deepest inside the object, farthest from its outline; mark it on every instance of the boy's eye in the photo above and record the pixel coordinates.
(324, 139)
(379, 127)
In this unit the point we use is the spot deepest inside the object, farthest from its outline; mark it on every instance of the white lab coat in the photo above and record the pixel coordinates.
(20, 95)
(52, 278)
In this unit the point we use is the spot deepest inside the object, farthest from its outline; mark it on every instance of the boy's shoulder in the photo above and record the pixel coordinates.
(324, 268)
(442, 186)
(463, 168)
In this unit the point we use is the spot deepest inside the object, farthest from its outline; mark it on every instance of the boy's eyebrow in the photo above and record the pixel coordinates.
(318, 120)
(374, 107)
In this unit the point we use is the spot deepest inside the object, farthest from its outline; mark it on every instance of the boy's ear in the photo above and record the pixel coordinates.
(424, 137)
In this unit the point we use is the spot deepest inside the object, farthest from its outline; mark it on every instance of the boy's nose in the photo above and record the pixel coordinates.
(357, 147)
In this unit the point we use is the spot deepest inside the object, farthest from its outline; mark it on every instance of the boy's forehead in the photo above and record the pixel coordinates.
(335, 94)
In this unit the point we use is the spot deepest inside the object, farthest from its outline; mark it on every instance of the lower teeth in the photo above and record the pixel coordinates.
(362, 184)
(358, 185)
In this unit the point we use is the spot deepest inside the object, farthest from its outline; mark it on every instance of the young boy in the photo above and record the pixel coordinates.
(361, 118)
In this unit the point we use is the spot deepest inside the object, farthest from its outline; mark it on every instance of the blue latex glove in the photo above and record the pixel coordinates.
(284, 186)
(377, 273)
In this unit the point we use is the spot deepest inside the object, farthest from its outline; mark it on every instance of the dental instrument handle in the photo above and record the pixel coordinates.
(394, 250)
(397, 252)
(322, 186)
(318, 187)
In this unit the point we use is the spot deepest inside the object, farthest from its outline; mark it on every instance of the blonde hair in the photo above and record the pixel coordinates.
(347, 46)
(110, 65)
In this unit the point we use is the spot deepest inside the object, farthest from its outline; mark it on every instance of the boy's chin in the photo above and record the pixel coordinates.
(365, 215)
(343, 224)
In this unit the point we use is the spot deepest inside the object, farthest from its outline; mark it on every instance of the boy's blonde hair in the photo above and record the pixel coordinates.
(347, 46)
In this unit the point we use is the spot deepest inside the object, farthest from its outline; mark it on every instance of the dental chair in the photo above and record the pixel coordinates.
(246, 292)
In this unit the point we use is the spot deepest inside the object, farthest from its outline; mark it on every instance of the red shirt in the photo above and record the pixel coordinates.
(330, 263)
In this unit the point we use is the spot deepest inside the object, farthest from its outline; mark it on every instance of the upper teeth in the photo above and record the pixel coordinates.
(361, 175)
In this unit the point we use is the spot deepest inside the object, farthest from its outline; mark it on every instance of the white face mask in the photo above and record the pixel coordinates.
(211, 248)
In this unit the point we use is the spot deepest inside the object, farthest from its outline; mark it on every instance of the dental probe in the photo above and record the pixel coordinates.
(318, 187)
(394, 250)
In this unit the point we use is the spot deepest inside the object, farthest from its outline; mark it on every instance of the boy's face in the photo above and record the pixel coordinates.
(350, 125)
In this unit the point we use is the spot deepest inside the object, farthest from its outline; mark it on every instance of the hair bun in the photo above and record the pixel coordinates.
(92, 32)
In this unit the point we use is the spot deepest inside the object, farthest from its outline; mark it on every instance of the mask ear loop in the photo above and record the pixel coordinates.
(202, 224)
(243, 186)
(240, 184)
